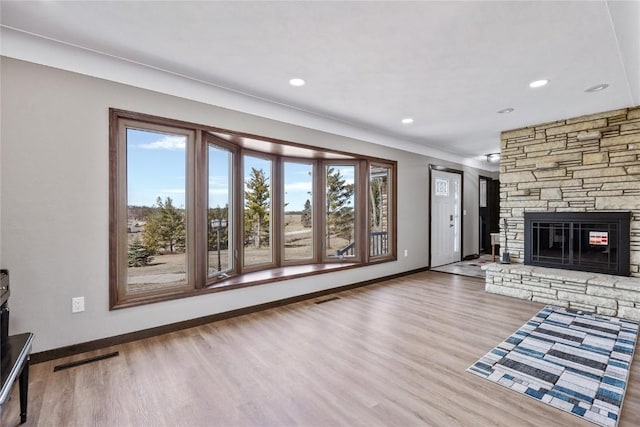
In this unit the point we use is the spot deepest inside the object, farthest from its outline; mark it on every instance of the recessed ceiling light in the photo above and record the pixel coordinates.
(493, 157)
(407, 121)
(597, 88)
(505, 111)
(296, 82)
(539, 83)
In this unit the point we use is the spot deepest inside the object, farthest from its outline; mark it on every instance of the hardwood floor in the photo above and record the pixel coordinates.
(390, 354)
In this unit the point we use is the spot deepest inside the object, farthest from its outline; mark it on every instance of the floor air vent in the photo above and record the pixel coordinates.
(85, 361)
(322, 301)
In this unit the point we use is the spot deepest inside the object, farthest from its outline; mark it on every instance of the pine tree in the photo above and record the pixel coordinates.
(306, 214)
(375, 203)
(257, 204)
(340, 215)
(164, 228)
(138, 255)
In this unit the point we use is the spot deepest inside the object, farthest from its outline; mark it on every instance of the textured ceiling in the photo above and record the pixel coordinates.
(448, 65)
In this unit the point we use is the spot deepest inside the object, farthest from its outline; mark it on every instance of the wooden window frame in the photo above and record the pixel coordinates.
(233, 182)
(118, 210)
(196, 205)
(315, 233)
(359, 219)
(274, 200)
(391, 211)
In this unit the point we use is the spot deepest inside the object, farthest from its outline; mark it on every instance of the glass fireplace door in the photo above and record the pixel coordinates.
(551, 242)
(595, 245)
(587, 241)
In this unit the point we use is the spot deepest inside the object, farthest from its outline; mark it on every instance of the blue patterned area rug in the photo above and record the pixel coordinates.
(572, 360)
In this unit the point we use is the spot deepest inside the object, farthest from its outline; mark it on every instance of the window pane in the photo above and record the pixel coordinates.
(156, 188)
(379, 210)
(219, 217)
(257, 211)
(298, 211)
(340, 224)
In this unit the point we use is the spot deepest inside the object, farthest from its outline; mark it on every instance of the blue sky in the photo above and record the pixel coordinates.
(156, 167)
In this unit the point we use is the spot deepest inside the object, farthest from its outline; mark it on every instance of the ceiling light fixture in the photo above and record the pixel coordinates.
(597, 88)
(539, 83)
(506, 110)
(296, 82)
(493, 157)
(407, 121)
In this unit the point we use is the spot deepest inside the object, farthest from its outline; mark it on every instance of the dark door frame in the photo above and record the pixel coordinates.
(492, 211)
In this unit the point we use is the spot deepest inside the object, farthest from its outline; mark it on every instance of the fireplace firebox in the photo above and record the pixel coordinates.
(587, 241)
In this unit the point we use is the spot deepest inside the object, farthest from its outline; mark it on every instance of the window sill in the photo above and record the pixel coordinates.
(249, 279)
(277, 274)
(286, 273)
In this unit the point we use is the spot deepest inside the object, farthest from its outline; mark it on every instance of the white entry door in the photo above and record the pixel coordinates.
(446, 194)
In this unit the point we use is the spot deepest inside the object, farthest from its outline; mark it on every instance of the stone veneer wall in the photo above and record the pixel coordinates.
(589, 163)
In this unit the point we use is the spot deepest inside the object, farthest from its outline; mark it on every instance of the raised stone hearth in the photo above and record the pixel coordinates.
(593, 292)
(585, 164)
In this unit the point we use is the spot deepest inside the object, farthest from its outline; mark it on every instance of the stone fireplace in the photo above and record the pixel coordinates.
(579, 166)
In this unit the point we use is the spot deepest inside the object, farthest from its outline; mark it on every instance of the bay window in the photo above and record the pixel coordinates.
(196, 209)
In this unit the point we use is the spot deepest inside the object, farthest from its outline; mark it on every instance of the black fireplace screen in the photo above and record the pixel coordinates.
(587, 241)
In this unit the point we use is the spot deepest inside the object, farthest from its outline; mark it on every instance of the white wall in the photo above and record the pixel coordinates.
(55, 204)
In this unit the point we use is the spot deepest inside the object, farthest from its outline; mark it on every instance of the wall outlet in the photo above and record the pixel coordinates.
(77, 304)
(406, 252)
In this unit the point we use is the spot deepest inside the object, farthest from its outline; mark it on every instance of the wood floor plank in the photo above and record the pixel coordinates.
(390, 354)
